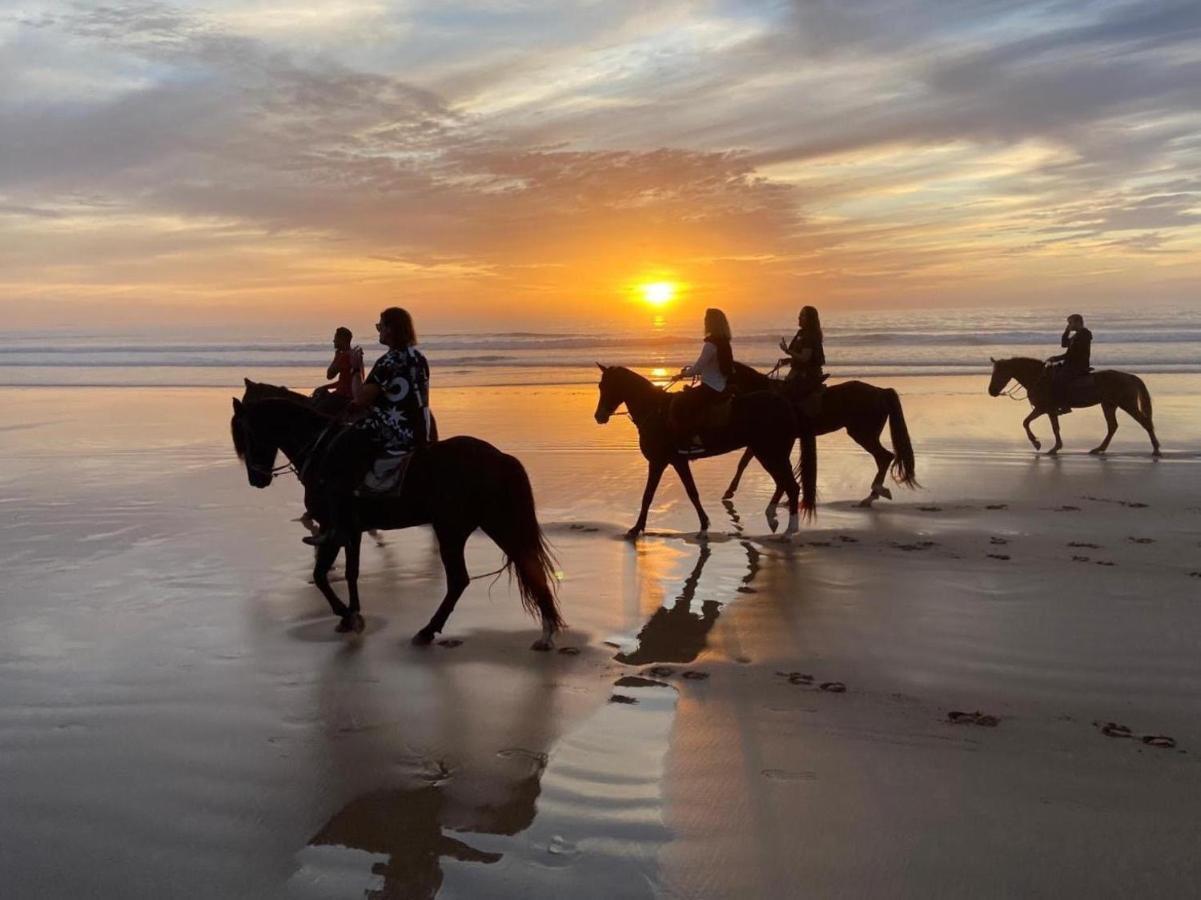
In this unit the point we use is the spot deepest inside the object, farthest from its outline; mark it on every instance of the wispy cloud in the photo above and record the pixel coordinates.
(514, 156)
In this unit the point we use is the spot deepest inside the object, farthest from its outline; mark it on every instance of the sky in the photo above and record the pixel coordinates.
(516, 165)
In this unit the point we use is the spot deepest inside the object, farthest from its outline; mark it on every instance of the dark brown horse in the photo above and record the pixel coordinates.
(456, 485)
(863, 410)
(761, 421)
(1113, 390)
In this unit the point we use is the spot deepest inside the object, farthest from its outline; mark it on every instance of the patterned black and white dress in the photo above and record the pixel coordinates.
(399, 420)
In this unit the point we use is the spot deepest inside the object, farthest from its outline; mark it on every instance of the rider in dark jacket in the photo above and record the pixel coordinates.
(1077, 342)
(806, 356)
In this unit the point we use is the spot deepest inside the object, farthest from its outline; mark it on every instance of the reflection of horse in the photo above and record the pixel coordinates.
(862, 409)
(761, 421)
(677, 634)
(456, 485)
(1113, 390)
(409, 826)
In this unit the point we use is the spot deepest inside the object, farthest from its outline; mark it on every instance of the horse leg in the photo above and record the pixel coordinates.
(1055, 429)
(1144, 420)
(326, 554)
(781, 473)
(1034, 414)
(450, 548)
(1111, 422)
(743, 462)
(685, 472)
(353, 621)
(883, 457)
(653, 473)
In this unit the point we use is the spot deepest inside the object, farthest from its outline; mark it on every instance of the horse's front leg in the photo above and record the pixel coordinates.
(1055, 430)
(1034, 414)
(326, 554)
(743, 462)
(685, 472)
(353, 619)
(654, 473)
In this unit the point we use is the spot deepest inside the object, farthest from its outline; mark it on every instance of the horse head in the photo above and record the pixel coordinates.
(610, 394)
(252, 447)
(1001, 376)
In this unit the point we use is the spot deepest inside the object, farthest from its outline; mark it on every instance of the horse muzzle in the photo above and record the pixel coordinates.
(602, 417)
(259, 479)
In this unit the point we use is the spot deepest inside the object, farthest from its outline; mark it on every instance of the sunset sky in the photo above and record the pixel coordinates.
(522, 164)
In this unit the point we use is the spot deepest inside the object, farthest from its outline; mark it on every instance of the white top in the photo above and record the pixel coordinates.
(707, 368)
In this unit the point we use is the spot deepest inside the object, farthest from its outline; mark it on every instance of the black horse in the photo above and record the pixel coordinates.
(762, 421)
(862, 409)
(456, 485)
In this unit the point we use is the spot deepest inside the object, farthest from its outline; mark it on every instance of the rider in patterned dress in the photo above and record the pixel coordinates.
(396, 399)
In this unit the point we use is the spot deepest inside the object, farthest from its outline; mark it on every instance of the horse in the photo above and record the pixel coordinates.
(456, 485)
(1113, 390)
(762, 421)
(862, 409)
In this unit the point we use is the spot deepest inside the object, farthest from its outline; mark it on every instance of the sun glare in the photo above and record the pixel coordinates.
(658, 293)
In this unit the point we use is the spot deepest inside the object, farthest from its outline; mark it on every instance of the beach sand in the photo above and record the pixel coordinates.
(179, 718)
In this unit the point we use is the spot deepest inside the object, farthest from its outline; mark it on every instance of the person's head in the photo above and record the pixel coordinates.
(716, 325)
(1075, 320)
(395, 328)
(342, 338)
(809, 320)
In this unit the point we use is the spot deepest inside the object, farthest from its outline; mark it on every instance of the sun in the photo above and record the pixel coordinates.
(658, 293)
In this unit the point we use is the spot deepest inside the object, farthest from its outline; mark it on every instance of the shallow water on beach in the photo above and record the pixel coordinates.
(178, 711)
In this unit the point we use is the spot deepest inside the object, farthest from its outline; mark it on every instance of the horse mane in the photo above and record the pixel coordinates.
(290, 400)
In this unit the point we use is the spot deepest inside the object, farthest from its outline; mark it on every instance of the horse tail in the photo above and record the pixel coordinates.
(511, 521)
(902, 464)
(806, 473)
(1144, 398)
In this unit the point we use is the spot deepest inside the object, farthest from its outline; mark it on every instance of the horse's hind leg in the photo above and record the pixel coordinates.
(1111, 423)
(883, 457)
(326, 554)
(743, 462)
(450, 547)
(781, 473)
(1148, 426)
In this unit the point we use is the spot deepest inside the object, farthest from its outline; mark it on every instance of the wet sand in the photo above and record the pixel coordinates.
(180, 719)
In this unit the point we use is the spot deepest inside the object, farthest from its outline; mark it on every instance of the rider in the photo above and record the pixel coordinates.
(1063, 368)
(805, 353)
(397, 421)
(713, 367)
(346, 367)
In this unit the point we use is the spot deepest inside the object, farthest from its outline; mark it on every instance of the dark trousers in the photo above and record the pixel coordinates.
(349, 457)
(687, 410)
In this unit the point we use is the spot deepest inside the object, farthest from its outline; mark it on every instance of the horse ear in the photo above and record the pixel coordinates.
(237, 406)
(991, 360)
(247, 382)
(602, 368)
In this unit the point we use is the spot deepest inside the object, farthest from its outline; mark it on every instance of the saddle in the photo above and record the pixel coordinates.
(1082, 390)
(718, 415)
(386, 476)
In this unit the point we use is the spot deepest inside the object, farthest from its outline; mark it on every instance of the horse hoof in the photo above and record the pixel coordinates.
(1096, 451)
(866, 502)
(1037, 445)
(346, 625)
(543, 645)
(359, 624)
(1156, 453)
(728, 495)
(883, 492)
(423, 638)
(1054, 451)
(632, 534)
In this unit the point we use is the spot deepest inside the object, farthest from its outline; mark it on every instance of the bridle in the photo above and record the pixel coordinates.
(305, 455)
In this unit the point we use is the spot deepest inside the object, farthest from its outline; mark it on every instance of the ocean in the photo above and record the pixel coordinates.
(858, 345)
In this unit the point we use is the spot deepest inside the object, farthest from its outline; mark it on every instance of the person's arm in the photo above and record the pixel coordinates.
(423, 399)
(708, 352)
(331, 371)
(1066, 340)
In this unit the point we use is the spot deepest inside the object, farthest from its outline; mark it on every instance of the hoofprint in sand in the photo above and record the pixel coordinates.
(177, 709)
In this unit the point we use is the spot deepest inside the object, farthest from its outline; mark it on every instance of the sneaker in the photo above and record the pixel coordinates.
(318, 540)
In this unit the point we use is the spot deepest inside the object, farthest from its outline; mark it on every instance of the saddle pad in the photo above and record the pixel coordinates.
(387, 475)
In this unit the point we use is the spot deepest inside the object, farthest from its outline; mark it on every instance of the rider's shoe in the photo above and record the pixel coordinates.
(320, 539)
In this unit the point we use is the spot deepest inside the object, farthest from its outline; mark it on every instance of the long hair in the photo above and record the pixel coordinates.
(716, 324)
(811, 323)
(401, 325)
